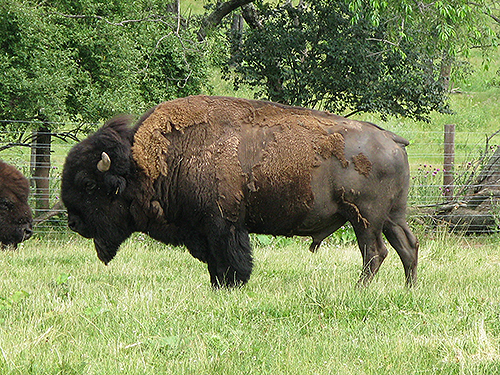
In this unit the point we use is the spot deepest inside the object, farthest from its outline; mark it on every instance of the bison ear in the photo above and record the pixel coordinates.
(115, 185)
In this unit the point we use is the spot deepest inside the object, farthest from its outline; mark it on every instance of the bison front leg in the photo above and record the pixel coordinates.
(230, 262)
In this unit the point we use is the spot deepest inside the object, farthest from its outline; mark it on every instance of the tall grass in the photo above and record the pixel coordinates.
(152, 311)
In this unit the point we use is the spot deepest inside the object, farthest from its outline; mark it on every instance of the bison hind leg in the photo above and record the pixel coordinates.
(315, 244)
(373, 251)
(406, 245)
(230, 262)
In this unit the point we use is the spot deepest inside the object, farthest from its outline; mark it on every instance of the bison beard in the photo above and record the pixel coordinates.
(105, 250)
(15, 214)
(205, 171)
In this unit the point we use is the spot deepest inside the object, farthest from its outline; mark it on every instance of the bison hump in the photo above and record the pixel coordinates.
(151, 140)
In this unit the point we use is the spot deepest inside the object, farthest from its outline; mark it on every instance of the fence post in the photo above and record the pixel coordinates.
(41, 171)
(449, 160)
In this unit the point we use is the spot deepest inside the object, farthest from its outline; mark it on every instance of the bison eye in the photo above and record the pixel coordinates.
(90, 186)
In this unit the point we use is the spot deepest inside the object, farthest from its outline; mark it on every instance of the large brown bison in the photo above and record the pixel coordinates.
(15, 214)
(205, 171)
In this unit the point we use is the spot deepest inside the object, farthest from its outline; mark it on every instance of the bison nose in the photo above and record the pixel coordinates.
(72, 223)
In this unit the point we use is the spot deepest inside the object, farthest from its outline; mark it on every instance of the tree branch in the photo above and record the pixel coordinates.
(28, 140)
(57, 209)
(215, 18)
(250, 16)
(14, 144)
(383, 41)
(121, 23)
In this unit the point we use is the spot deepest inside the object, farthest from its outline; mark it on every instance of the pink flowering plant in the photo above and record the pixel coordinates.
(426, 185)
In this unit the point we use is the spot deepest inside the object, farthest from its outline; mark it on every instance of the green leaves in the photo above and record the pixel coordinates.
(452, 25)
(34, 65)
(90, 60)
(317, 56)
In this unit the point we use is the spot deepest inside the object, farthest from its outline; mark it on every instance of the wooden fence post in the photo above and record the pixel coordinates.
(41, 173)
(449, 160)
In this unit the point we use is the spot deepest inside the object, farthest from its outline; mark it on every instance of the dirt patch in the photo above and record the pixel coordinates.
(362, 164)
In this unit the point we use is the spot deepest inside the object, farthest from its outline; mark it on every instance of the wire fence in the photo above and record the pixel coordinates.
(430, 201)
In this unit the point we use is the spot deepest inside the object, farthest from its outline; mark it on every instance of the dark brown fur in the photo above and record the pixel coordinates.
(205, 171)
(15, 214)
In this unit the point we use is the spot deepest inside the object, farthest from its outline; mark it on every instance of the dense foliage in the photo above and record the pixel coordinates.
(453, 27)
(344, 58)
(86, 60)
(89, 59)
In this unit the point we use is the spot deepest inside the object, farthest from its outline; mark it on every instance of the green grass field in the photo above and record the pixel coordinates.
(152, 311)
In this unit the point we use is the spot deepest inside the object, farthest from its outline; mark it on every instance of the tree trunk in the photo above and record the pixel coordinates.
(470, 221)
(215, 18)
(490, 174)
(249, 13)
(446, 65)
(41, 173)
(173, 7)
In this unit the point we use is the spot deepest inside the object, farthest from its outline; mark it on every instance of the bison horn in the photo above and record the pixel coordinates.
(105, 163)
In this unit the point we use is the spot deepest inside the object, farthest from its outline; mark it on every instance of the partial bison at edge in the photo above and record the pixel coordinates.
(205, 171)
(15, 214)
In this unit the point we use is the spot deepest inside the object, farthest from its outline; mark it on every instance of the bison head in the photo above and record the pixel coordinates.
(15, 214)
(96, 178)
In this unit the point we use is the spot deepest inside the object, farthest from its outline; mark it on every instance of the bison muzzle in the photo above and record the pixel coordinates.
(15, 213)
(205, 172)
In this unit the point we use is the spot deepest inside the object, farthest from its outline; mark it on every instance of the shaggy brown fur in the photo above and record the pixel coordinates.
(150, 141)
(15, 214)
(362, 164)
(301, 132)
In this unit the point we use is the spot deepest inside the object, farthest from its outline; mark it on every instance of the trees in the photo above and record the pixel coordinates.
(391, 57)
(86, 60)
(89, 59)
